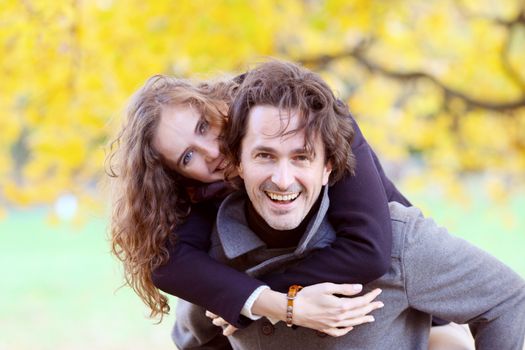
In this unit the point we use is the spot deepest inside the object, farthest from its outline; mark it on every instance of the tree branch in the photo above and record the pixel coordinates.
(519, 19)
(359, 55)
(509, 69)
(511, 26)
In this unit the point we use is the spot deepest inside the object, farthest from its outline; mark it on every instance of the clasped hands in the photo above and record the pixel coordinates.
(317, 307)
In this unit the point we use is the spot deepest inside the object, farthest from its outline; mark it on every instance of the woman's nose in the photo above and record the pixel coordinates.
(209, 148)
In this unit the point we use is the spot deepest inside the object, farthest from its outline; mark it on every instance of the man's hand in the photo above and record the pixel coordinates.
(227, 329)
(318, 308)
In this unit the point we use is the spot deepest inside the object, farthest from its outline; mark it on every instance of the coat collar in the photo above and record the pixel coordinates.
(236, 237)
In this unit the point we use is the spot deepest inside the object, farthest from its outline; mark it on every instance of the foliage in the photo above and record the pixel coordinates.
(439, 83)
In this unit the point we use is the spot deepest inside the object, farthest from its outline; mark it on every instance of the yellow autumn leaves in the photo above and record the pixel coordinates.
(424, 79)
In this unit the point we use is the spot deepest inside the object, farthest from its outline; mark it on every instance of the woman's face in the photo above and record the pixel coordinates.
(189, 144)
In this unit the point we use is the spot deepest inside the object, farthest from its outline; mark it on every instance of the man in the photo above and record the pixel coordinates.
(282, 143)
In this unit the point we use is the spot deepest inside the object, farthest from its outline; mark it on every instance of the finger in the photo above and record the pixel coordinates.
(343, 289)
(361, 311)
(353, 303)
(355, 321)
(229, 330)
(337, 332)
(210, 314)
(219, 321)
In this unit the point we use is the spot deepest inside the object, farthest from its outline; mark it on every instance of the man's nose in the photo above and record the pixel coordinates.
(282, 176)
(209, 148)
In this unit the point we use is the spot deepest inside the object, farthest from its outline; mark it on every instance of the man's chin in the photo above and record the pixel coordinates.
(284, 225)
(281, 219)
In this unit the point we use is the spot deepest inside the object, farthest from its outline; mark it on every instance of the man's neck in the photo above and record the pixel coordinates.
(278, 238)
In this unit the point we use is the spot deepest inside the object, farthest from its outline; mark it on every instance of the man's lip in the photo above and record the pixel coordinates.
(287, 196)
(280, 205)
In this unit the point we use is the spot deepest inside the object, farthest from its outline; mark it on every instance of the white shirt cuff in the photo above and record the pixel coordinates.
(247, 308)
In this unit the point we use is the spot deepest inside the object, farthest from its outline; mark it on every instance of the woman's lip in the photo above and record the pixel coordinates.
(221, 165)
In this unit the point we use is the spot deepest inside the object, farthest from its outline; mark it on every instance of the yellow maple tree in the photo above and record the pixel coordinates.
(438, 87)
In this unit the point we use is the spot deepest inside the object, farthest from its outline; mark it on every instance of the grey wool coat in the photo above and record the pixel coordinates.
(432, 273)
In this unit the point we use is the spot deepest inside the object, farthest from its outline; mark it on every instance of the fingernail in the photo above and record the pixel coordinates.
(379, 291)
(381, 305)
(372, 319)
(357, 287)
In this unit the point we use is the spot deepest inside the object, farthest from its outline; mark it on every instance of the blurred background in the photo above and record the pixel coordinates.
(438, 88)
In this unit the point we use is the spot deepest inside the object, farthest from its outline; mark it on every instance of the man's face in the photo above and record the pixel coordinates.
(282, 180)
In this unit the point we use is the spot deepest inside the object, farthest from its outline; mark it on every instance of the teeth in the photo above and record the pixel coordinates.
(286, 197)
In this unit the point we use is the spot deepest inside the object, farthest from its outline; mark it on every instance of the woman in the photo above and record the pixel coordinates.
(170, 150)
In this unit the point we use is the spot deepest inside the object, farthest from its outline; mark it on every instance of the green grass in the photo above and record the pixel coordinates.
(59, 290)
(496, 228)
(59, 283)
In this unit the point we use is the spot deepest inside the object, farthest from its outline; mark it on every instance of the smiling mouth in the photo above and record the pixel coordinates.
(282, 198)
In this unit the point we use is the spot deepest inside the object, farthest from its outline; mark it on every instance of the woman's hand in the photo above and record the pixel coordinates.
(227, 329)
(318, 308)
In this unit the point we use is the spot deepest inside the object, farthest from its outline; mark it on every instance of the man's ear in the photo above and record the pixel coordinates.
(240, 171)
(326, 172)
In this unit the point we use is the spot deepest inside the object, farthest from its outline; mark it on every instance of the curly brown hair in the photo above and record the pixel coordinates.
(150, 200)
(288, 86)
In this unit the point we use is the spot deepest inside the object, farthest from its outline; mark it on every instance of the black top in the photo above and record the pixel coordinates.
(361, 253)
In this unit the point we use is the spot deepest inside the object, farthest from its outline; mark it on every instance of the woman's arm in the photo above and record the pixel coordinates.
(359, 213)
(317, 307)
(360, 254)
(191, 274)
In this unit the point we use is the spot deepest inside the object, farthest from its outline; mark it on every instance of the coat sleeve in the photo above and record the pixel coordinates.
(360, 254)
(359, 213)
(193, 330)
(191, 274)
(452, 279)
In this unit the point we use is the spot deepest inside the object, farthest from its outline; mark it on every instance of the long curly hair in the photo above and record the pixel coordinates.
(150, 200)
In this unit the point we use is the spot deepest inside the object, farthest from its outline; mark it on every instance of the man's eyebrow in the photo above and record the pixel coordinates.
(265, 149)
(300, 150)
(304, 151)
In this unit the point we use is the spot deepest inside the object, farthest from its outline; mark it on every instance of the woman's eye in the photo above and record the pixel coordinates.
(203, 127)
(187, 157)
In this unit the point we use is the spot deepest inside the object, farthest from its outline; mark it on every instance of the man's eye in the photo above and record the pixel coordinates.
(203, 126)
(263, 156)
(302, 158)
(187, 157)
